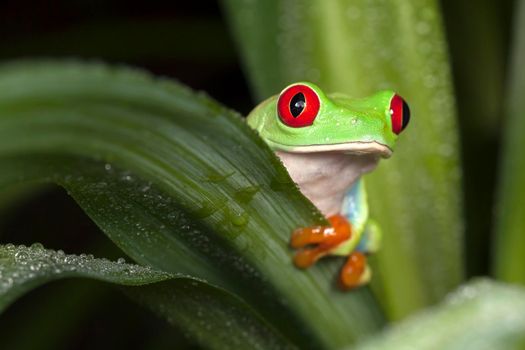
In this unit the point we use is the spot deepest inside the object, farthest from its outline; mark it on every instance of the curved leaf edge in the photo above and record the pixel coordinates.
(207, 314)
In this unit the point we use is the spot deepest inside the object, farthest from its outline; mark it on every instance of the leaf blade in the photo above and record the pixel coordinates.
(134, 150)
(509, 262)
(464, 321)
(180, 299)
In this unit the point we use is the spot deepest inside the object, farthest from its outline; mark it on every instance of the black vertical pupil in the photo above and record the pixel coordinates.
(406, 114)
(297, 104)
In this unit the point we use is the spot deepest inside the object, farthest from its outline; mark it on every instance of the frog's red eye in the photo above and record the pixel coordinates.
(298, 106)
(399, 113)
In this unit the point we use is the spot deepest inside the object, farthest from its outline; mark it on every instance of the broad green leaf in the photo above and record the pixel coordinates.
(209, 315)
(482, 315)
(24, 268)
(510, 240)
(357, 47)
(180, 184)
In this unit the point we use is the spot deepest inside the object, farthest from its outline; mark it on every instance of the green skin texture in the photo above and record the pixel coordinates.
(341, 121)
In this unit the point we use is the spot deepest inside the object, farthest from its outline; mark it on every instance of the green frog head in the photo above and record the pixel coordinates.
(303, 119)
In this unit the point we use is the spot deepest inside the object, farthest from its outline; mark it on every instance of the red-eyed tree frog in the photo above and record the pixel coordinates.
(327, 142)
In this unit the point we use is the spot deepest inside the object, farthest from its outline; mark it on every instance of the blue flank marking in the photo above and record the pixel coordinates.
(363, 243)
(352, 203)
(353, 210)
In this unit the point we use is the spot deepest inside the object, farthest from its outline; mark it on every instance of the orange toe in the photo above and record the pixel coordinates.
(352, 272)
(338, 231)
(309, 235)
(305, 258)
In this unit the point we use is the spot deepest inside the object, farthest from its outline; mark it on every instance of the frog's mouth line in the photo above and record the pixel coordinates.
(355, 148)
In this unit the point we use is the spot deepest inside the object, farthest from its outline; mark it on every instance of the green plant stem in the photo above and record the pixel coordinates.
(509, 252)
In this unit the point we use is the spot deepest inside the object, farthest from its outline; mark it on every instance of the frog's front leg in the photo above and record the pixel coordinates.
(326, 238)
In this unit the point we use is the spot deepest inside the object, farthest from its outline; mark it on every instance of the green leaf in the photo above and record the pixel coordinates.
(357, 47)
(210, 315)
(480, 315)
(24, 268)
(509, 263)
(478, 31)
(180, 184)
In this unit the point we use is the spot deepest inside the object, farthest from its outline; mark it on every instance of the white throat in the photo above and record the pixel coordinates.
(325, 177)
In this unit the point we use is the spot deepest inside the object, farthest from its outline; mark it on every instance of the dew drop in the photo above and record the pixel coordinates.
(245, 195)
(239, 219)
(215, 176)
(37, 246)
(21, 257)
(206, 209)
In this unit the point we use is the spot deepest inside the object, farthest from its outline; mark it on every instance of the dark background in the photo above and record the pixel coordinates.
(189, 41)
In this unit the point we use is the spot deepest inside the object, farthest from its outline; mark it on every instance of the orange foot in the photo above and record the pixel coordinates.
(326, 238)
(355, 272)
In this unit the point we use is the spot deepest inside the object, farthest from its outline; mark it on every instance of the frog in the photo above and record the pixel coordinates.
(327, 143)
